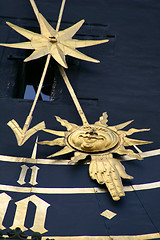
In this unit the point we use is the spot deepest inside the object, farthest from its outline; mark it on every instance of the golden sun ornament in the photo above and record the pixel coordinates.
(100, 142)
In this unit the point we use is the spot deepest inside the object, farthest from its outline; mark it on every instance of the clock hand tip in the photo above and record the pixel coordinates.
(8, 23)
(96, 61)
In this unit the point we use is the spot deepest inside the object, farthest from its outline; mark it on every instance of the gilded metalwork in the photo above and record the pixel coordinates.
(18, 234)
(21, 212)
(56, 43)
(108, 214)
(5, 158)
(93, 139)
(89, 190)
(99, 141)
(4, 202)
(51, 42)
(22, 175)
(111, 237)
(22, 135)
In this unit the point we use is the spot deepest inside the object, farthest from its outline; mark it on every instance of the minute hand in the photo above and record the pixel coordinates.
(73, 95)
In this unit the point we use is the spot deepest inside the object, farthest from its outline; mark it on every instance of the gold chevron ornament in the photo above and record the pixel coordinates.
(100, 142)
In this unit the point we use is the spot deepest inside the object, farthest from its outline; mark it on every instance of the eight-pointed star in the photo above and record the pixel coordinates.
(57, 43)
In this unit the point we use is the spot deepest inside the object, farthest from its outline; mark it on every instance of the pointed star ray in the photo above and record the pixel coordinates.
(69, 32)
(37, 54)
(58, 44)
(24, 32)
(23, 45)
(81, 43)
(75, 53)
(46, 29)
(59, 56)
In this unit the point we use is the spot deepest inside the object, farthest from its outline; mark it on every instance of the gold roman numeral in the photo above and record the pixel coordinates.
(21, 212)
(33, 179)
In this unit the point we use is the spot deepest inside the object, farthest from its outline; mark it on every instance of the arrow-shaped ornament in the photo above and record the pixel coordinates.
(22, 135)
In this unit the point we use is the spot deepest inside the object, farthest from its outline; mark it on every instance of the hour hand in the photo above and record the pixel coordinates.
(109, 171)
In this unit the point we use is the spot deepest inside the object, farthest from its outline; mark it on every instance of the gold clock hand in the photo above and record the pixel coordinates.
(24, 134)
(29, 118)
(73, 95)
(60, 15)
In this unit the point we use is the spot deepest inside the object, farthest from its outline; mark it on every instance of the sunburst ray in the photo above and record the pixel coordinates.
(134, 130)
(123, 125)
(129, 152)
(103, 119)
(65, 123)
(77, 157)
(65, 150)
(131, 142)
(57, 141)
(58, 133)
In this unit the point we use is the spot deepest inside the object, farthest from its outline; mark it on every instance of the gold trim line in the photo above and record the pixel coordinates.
(125, 237)
(5, 158)
(132, 188)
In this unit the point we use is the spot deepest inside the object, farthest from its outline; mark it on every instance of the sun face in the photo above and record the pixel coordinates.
(98, 138)
(93, 139)
(99, 141)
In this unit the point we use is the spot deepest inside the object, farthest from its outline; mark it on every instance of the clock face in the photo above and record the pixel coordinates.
(47, 195)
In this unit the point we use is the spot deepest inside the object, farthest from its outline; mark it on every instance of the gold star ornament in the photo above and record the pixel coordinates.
(56, 43)
(100, 142)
